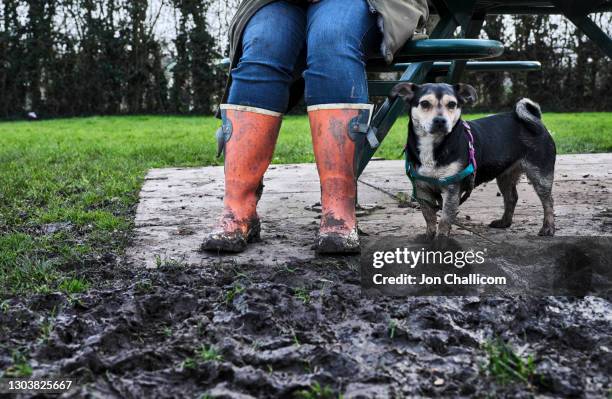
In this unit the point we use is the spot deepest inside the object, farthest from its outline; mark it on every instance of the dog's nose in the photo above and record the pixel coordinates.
(439, 122)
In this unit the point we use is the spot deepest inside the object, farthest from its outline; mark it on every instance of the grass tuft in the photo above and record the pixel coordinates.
(302, 294)
(20, 367)
(506, 366)
(316, 391)
(73, 286)
(392, 327)
(233, 293)
(189, 364)
(168, 263)
(208, 354)
(144, 286)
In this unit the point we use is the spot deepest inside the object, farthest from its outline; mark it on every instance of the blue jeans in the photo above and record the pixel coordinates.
(327, 42)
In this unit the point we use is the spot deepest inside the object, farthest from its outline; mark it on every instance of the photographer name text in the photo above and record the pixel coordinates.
(447, 279)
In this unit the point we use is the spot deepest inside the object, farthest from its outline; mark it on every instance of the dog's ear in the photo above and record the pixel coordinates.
(466, 94)
(404, 90)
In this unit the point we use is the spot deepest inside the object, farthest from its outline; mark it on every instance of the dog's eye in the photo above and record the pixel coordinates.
(425, 104)
(451, 105)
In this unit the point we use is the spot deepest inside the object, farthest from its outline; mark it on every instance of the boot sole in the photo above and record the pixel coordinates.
(233, 243)
(336, 245)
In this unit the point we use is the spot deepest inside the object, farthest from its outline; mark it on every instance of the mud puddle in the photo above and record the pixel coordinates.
(239, 330)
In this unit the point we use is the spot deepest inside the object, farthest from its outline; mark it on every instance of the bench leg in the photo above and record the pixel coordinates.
(594, 32)
(390, 110)
(577, 12)
(452, 14)
(471, 31)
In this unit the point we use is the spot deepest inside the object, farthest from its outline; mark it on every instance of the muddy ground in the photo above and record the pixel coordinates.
(277, 320)
(278, 330)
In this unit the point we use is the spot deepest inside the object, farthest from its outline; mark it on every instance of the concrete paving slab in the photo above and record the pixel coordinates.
(179, 205)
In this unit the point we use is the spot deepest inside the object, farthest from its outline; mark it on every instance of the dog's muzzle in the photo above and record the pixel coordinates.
(439, 125)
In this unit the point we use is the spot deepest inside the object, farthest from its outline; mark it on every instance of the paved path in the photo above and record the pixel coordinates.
(179, 205)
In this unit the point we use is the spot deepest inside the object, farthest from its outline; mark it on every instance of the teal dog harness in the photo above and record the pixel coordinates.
(469, 170)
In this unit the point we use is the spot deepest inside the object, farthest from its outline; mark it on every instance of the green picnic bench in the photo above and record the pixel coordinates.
(380, 88)
(424, 60)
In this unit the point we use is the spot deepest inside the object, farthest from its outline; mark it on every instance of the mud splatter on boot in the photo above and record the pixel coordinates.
(247, 139)
(337, 243)
(234, 241)
(335, 143)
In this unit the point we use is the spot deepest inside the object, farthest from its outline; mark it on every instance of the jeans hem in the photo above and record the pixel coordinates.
(247, 108)
(340, 106)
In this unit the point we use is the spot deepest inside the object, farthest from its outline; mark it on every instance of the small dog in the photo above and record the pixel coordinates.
(441, 147)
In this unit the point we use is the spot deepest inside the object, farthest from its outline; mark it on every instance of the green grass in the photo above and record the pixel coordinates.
(506, 366)
(68, 187)
(73, 286)
(392, 327)
(582, 132)
(20, 367)
(233, 293)
(302, 294)
(202, 354)
(208, 354)
(316, 391)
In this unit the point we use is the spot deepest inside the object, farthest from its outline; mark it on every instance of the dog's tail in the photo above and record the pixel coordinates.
(530, 114)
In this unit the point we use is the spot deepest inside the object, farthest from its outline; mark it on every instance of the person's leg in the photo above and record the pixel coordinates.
(271, 44)
(340, 34)
(258, 96)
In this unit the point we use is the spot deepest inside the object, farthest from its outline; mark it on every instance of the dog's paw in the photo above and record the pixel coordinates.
(444, 230)
(547, 231)
(500, 224)
(430, 235)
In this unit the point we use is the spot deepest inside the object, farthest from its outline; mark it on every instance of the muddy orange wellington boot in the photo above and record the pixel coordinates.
(338, 130)
(247, 138)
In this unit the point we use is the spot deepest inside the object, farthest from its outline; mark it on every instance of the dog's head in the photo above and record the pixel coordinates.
(435, 108)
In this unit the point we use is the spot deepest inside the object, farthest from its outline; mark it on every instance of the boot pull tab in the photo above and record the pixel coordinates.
(224, 133)
(360, 125)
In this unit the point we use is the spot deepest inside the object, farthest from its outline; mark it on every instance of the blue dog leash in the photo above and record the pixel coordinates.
(469, 170)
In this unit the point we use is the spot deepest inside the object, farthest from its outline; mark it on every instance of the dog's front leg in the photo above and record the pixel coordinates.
(431, 219)
(427, 201)
(450, 204)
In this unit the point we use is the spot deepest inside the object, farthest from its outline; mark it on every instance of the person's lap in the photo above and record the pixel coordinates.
(328, 42)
